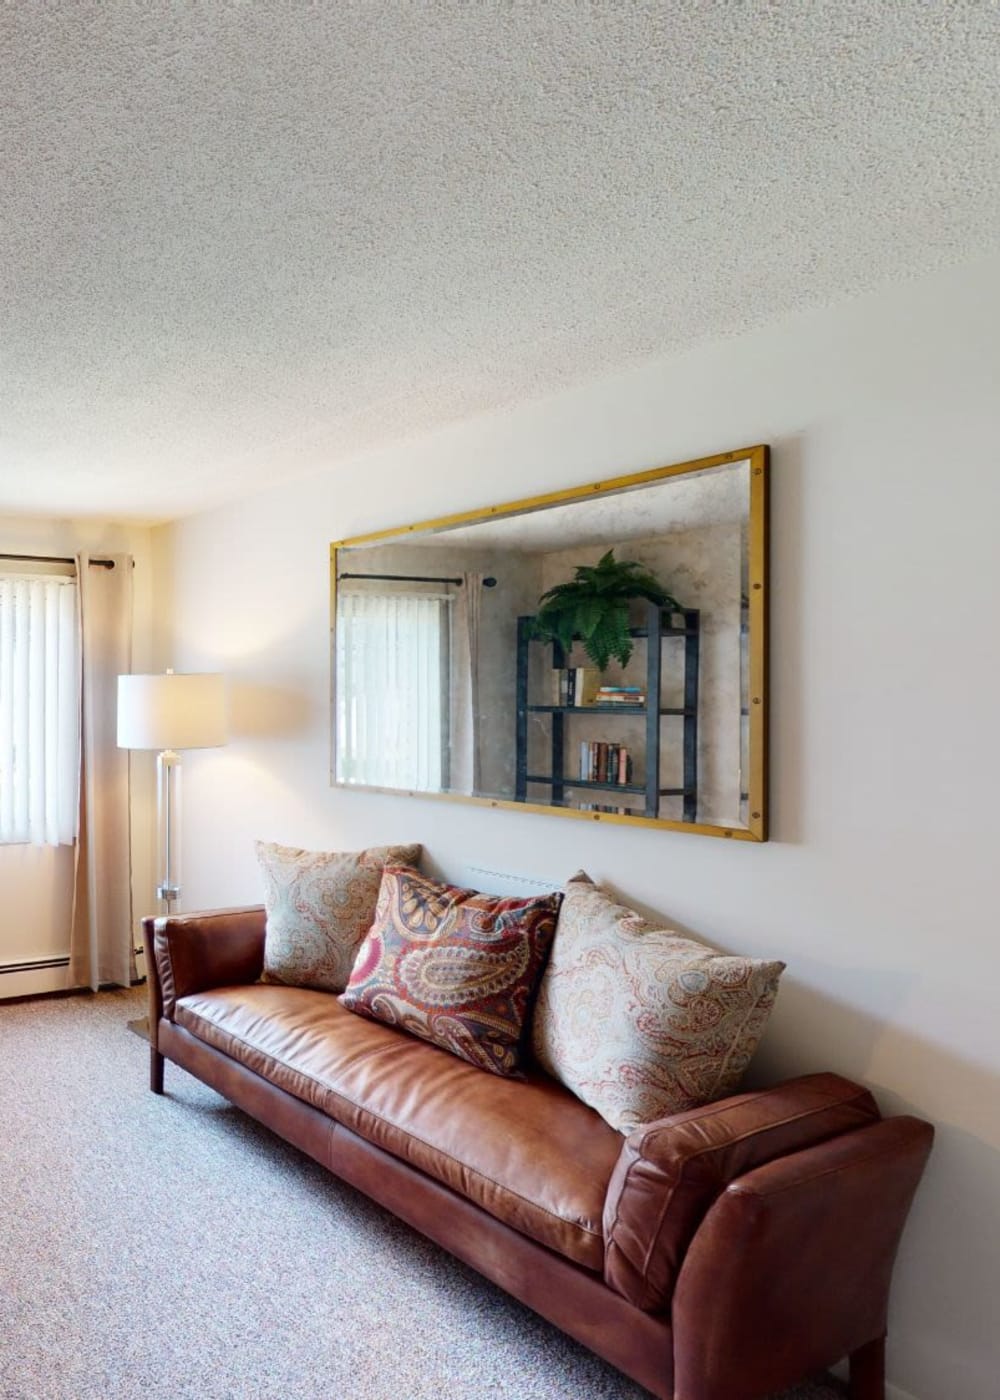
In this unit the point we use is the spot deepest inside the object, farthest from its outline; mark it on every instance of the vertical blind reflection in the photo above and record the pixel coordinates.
(39, 711)
(391, 705)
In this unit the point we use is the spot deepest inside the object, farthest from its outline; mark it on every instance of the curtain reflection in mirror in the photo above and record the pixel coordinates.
(392, 709)
(467, 616)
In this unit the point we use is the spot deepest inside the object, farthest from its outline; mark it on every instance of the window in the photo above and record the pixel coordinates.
(39, 708)
(392, 708)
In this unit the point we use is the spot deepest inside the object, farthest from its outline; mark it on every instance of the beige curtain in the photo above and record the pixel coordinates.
(465, 640)
(101, 944)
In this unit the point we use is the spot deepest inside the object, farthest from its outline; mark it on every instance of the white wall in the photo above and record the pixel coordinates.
(36, 883)
(877, 887)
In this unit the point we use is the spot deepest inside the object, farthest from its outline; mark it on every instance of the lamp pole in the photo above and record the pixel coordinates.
(168, 807)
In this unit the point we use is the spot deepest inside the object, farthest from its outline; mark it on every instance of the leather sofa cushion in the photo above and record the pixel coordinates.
(526, 1151)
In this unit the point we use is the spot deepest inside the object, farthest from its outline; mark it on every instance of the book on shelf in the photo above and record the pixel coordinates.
(574, 685)
(602, 762)
(620, 695)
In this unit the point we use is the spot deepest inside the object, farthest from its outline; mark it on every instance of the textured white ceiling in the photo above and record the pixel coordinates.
(242, 241)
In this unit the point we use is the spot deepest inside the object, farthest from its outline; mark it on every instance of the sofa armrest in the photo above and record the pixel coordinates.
(671, 1171)
(193, 952)
(790, 1269)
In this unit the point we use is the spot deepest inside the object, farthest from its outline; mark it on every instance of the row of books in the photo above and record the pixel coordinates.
(603, 807)
(575, 685)
(581, 685)
(604, 763)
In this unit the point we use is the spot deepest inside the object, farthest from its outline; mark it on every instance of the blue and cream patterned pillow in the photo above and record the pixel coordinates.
(319, 906)
(639, 1021)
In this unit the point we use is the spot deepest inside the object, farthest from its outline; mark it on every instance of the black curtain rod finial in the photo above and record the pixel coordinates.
(415, 578)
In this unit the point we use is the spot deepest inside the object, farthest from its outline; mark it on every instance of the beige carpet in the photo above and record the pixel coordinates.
(171, 1249)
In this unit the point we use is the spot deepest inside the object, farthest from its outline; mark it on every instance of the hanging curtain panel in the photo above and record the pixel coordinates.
(391, 704)
(39, 724)
(466, 758)
(101, 935)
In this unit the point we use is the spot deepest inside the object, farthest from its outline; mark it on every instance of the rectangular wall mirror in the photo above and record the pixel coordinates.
(635, 693)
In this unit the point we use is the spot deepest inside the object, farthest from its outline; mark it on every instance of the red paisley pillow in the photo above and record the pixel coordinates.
(453, 966)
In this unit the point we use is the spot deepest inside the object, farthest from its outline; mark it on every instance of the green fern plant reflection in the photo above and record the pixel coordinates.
(593, 607)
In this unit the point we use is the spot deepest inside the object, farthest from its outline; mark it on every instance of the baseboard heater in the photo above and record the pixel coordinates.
(34, 964)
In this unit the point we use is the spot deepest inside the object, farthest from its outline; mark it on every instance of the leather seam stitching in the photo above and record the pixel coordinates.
(734, 1189)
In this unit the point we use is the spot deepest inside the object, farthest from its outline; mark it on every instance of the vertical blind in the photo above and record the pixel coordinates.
(39, 710)
(391, 709)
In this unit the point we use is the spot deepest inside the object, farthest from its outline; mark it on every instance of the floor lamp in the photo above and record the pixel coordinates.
(170, 712)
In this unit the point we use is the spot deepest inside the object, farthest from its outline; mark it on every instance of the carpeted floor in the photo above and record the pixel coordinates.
(171, 1249)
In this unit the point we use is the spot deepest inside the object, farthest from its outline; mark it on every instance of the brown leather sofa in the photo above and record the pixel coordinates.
(721, 1254)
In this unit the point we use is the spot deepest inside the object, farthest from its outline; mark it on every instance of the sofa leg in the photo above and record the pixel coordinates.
(155, 1071)
(867, 1371)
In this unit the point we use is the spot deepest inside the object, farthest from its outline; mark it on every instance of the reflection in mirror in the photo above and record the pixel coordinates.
(645, 708)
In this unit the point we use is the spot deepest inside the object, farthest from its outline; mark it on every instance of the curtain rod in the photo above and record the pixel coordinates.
(58, 559)
(417, 578)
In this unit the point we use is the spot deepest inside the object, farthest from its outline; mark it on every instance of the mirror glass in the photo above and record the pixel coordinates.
(447, 681)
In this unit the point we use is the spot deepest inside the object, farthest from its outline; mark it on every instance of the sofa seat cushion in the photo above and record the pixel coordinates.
(526, 1150)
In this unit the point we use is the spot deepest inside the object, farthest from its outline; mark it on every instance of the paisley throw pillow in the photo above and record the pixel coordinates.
(453, 966)
(640, 1022)
(319, 906)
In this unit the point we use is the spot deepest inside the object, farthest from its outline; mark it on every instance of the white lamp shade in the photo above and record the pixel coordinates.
(186, 711)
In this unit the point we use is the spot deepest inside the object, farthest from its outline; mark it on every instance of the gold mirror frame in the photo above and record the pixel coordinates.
(756, 604)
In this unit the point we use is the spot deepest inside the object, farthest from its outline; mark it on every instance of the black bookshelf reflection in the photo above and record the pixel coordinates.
(641, 760)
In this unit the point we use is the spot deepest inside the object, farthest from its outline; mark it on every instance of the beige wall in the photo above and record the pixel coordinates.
(36, 883)
(878, 885)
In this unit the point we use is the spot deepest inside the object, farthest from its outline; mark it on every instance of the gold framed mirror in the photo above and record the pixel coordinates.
(597, 653)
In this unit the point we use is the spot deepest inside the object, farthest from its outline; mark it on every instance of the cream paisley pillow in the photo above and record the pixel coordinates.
(319, 906)
(639, 1022)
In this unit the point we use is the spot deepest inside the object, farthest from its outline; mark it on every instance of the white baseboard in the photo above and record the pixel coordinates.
(34, 980)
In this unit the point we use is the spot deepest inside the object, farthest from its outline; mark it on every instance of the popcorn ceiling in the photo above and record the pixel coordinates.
(242, 241)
